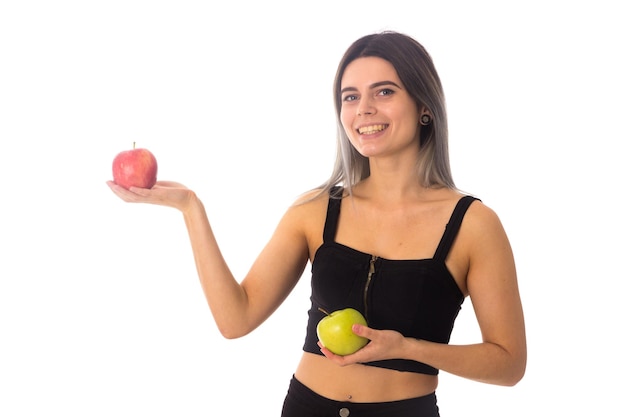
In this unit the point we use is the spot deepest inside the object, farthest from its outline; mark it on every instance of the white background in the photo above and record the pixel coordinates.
(101, 312)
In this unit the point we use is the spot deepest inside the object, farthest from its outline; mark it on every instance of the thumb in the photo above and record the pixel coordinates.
(361, 330)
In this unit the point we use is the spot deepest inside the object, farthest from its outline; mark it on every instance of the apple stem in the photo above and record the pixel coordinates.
(134, 145)
(323, 311)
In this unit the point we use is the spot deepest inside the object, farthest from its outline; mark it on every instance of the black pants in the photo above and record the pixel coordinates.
(302, 402)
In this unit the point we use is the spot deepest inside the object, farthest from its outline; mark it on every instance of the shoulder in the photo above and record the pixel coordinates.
(308, 208)
(479, 215)
(311, 200)
(482, 228)
(304, 219)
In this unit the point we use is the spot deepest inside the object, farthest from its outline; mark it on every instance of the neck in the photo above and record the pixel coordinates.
(393, 179)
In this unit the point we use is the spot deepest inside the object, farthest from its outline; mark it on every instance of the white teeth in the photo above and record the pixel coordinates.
(371, 129)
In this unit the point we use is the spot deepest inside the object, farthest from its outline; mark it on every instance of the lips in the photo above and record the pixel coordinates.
(368, 130)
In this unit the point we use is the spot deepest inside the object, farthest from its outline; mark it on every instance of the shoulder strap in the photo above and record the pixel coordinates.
(332, 213)
(453, 226)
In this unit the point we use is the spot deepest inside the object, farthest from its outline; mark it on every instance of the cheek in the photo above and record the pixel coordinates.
(346, 122)
(410, 121)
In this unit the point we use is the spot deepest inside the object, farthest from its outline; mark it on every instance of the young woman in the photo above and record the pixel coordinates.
(389, 235)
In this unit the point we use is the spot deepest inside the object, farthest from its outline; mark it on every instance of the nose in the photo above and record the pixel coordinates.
(365, 107)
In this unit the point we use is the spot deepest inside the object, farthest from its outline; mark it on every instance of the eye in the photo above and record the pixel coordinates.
(386, 92)
(349, 97)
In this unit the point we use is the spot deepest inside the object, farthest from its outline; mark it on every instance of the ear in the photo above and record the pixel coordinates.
(426, 118)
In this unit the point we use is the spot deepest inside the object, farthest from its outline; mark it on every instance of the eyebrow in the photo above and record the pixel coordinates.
(375, 85)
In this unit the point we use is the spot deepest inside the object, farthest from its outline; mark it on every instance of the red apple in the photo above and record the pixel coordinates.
(136, 167)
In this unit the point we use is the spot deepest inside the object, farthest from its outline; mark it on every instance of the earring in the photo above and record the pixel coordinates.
(425, 119)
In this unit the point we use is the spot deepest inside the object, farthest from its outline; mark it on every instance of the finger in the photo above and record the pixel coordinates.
(326, 352)
(118, 190)
(363, 331)
(169, 184)
(144, 192)
(113, 186)
(126, 195)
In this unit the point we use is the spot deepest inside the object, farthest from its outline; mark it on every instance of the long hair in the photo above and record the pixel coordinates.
(417, 73)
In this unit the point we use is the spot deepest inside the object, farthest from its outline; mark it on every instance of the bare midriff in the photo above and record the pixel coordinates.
(361, 383)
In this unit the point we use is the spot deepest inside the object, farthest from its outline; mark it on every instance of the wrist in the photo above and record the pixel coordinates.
(411, 349)
(191, 204)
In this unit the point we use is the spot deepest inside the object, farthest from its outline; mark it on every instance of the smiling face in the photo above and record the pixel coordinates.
(377, 113)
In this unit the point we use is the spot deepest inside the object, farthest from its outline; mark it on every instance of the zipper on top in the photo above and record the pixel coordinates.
(370, 275)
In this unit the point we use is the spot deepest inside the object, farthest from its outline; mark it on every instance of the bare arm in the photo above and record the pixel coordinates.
(238, 308)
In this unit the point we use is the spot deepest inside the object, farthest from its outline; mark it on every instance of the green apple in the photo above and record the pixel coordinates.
(335, 331)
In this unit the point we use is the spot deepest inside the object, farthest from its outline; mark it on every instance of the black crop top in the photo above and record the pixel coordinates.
(418, 298)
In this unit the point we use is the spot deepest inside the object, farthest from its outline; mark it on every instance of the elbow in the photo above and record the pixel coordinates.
(231, 327)
(230, 334)
(509, 369)
(514, 378)
(513, 367)
(519, 374)
(516, 373)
